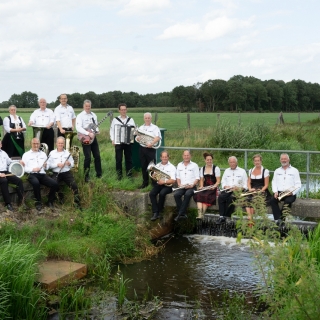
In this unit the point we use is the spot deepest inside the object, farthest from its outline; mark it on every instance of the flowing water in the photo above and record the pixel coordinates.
(192, 273)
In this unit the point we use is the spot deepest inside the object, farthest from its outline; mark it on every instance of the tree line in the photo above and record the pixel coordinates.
(239, 93)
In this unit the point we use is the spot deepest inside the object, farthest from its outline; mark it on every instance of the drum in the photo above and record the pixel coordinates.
(17, 169)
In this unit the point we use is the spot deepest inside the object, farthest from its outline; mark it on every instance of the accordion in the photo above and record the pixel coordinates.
(123, 134)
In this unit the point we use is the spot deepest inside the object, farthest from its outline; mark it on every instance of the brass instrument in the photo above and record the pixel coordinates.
(227, 190)
(75, 152)
(146, 138)
(206, 188)
(157, 174)
(248, 193)
(37, 133)
(181, 187)
(286, 192)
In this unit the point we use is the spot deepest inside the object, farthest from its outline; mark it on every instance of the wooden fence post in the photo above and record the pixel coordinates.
(188, 121)
(156, 118)
(299, 117)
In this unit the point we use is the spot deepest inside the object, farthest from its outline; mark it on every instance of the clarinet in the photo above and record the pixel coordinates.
(44, 162)
(64, 164)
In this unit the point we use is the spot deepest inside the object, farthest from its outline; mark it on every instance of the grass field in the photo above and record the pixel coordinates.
(178, 121)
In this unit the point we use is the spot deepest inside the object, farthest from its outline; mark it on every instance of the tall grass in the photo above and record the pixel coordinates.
(20, 297)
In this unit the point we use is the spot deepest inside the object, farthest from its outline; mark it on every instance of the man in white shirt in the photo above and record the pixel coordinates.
(146, 152)
(6, 178)
(65, 116)
(84, 119)
(121, 148)
(44, 118)
(234, 178)
(187, 179)
(61, 162)
(284, 178)
(35, 162)
(161, 186)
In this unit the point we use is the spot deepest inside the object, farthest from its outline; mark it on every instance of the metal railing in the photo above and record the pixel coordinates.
(307, 173)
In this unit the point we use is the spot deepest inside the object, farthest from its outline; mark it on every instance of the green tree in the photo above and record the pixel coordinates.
(107, 100)
(237, 95)
(214, 92)
(93, 97)
(183, 98)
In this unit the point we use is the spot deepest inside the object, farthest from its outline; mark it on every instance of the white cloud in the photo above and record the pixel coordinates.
(213, 29)
(144, 6)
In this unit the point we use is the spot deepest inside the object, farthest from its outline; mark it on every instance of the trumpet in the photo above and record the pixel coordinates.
(206, 188)
(181, 187)
(286, 192)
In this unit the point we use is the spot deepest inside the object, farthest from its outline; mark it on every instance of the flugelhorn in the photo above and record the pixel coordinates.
(181, 187)
(146, 138)
(248, 193)
(157, 174)
(287, 192)
(206, 188)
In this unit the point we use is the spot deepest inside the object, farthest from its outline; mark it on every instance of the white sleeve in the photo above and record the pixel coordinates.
(6, 124)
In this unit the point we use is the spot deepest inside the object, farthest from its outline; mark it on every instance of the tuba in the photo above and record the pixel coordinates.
(157, 174)
(37, 133)
(146, 138)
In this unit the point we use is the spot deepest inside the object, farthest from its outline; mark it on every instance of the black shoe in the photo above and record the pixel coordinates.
(155, 216)
(180, 216)
(86, 179)
(99, 176)
(9, 207)
(50, 205)
(38, 207)
(143, 186)
(221, 220)
(279, 222)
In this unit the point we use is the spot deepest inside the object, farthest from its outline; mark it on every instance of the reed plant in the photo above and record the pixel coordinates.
(288, 266)
(20, 297)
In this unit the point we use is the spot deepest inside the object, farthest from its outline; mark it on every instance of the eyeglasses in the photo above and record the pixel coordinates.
(35, 143)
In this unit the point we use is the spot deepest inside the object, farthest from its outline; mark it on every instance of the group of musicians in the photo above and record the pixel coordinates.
(187, 174)
(285, 185)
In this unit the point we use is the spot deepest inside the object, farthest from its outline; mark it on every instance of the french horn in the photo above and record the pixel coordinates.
(157, 174)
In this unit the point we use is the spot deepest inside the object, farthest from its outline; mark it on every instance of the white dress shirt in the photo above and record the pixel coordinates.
(284, 179)
(235, 178)
(115, 122)
(187, 173)
(5, 161)
(57, 157)
(6, 122)
(34, 159)
(168, 168)
(217, 172)
(83, 121)
(65, 115)
(41, 118)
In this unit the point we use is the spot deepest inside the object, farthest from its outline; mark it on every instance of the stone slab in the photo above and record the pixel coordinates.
(56, 273)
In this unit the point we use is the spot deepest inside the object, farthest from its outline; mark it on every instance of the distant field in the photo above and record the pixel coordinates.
(178, 121)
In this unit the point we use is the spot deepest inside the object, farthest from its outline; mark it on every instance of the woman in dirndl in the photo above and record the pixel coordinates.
(209, 176)
(258, 181)
(13, 140)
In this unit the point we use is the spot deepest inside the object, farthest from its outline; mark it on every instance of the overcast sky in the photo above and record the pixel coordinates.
(150, 46)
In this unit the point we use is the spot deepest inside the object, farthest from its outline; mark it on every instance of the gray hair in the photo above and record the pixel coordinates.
(147, 114)
(87, 101)
(284, 154)
(233, 157)
(61, 138)
(12, 106)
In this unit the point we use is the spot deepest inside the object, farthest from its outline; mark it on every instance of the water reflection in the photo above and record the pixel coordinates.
(194, 270)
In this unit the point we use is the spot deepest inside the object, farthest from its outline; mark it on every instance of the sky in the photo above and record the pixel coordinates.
(150, 46)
